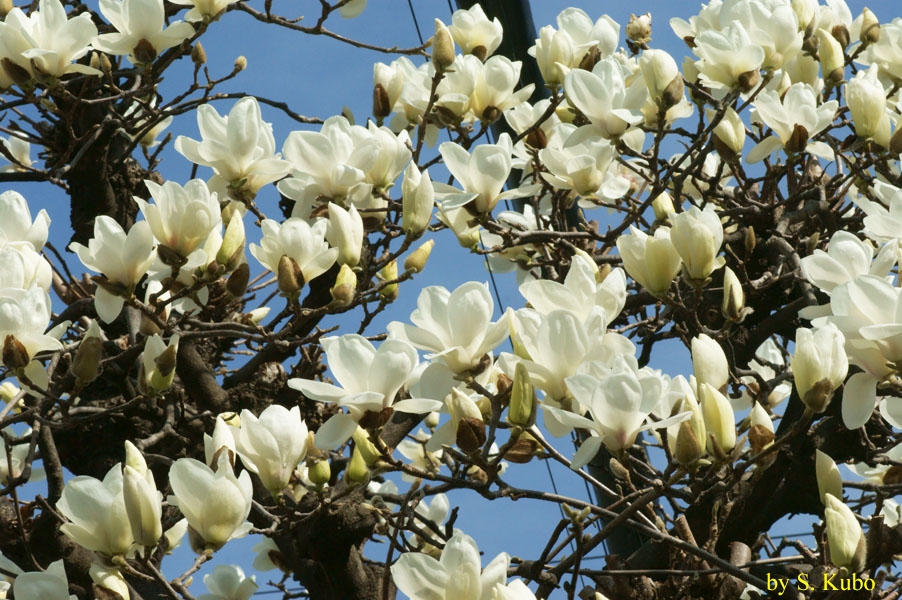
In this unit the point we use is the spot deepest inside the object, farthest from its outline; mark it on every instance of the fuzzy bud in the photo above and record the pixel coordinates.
(442, 47)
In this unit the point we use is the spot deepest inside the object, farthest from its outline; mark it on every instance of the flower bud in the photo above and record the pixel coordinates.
(134, 458)
(442, 47)
(418, 198)
(86, 363)
(381, 105)
(524, 449)
(841, 33)
(143, 506)
(358, 472)
(829, 480)
(638, 29)
(819, 365)
(345, 286)
(320, 472)
(389, 273)
(368, 450)
(662, 77)
(417, 259)
(866, 99)
(431, 420)
(15, 355)
(844, 534)
(523, 401)
(290, 277)
(164, 373)
(761, 429)
(870, 27)
(733, 296)
(729, 135)
(833, 60)
(688, 448)
(236, 284)
(709, 362)
(697, 236)
(232, 247)
(720, 422)
(662, 205)
(198, 55)
(240, 64)
(749, 241)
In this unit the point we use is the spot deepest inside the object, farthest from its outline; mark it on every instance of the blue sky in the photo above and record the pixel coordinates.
(318, 76)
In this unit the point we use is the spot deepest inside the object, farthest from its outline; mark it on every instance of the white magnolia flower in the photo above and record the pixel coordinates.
(651, 260)
(720, 422)
(697, 236)
(844, 534)
(580, 293)
(266, 548)
(228, 582)
(709, 362)
(273, 445)
(24, 316)
(866, 99)
(345, 233)
(97, 514)
(222, 440)
(455, 326)
(586, 164)
(587, 35)
(515, 590)
(482, 175)
(16, 224)
(392, 154)
(123, 260)
(819, 365)
(554, 51)
(619, 399)
(846, 258)
(883, 218)
(141, 31)
(239, 147)
(661, 76)
(455, 576)
(215, 504)
(204, 10)
(45, 43)
(418, 199)
(20, 150)
(605, 98)
(729, 58)
(887, 51)
(181, 218)
(474, 33)
(772, 26)
(303, 243)
(370, 380)
(795, 119)
(51, 584)
(494, 91)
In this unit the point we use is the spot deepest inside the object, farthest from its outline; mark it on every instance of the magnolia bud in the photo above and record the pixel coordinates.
(418, 199)
(367, 449)
(841, 33)
(733, 296)
(442, 47)
(720, 422)
(240, 63)
(833, 60)
(688, 448)
(870, 27)
(729, 135)
(86, 363)
(761, 429)
(638, 29)
(819, 365)
(750, 241)
(345, 286)
(389, 273)
(470, 434)
(523, 401)
(709, 362)
(232, 247)
(749, 80)
(291, 279)
(358, 472)
(5, 7)
(15, 355)
(829, 480)
(236, 284)
(417, 259)
(164, 373)
(523, 450)
(431, 420)
(844, 534)
(663, 206)
(198, 55)
(319, 472)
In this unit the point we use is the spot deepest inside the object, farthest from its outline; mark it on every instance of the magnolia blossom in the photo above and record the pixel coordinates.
(886, 51)
(370, 379)
(143, 503)
(97, 513)
(651, 260)
(20, 150)
(772, 26)
(482, 174)
(709, 362)
(239, 147)
(588, 36)
(494, 90)
(456, 575)
(205, 10)
(844, 534)
(158, 362)
(846, 258)
(216, 504)
(697, 236)
(345, 232)
(123, 260)
(24, 316)
(729, 58)
(619, 399)
(110, 578)
(795, 119)
(866, 99)
(418, 200)
(303, 243)
(181, 218)
(553, 51)
(228, 582)
(474, 33)
(586, 164)
(16, 224)
(142, 33)
(273, 445)
(605, 98)
(455, 326)
(45, 43)
(883, 218)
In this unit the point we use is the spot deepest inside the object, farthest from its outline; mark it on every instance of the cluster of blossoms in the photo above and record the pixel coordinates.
(763, 70)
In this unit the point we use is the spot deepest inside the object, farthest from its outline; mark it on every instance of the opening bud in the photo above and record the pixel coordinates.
(291, 279)
(870, 27)
(523, 398)
(15, 355)
(345, 286)
(416, 261)
(198, 55)
(442, 47)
